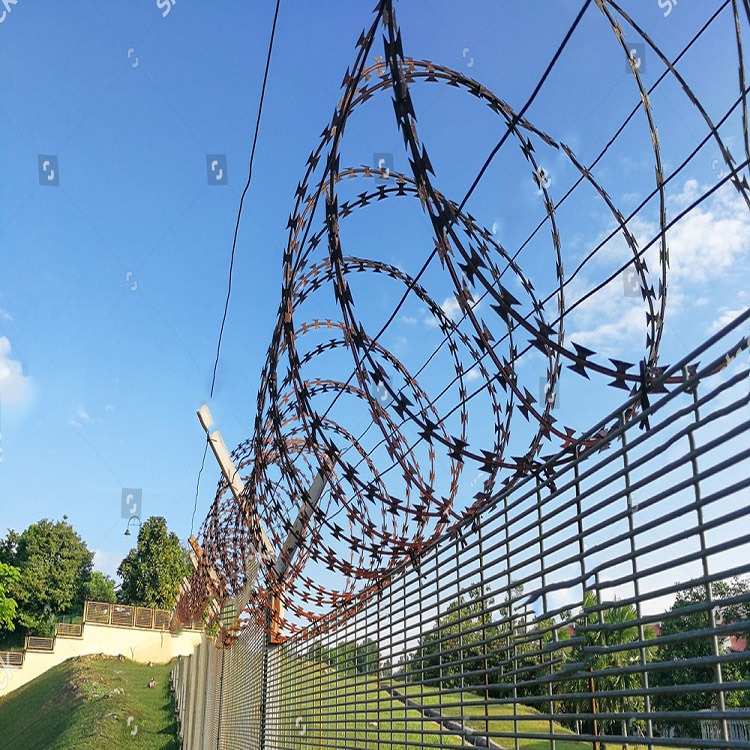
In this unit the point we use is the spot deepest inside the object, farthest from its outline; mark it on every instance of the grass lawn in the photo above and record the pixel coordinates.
(474, 713)
(84, 704)
(321, 706)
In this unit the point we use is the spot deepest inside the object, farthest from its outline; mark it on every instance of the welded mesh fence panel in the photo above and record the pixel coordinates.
(601, 601)
(219, 693)
(242, 694)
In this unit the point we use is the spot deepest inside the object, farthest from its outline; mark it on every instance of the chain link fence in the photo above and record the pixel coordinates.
(601, 602)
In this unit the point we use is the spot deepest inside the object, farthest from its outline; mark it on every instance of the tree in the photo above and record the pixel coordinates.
(152, 572)
(8, 577)
(53, 563)
(9, 547)
(455, 645)
(99, 588)
(606, 633)
(694, 621)
(350, 657)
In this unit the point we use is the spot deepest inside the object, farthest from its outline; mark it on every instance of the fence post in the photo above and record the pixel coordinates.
(484, 627)
(632, 509)
(545, 606)
(511, 624)
(264, 685)
(718, 671)
(221, 693)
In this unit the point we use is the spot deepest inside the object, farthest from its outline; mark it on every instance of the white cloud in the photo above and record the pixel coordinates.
(14, 385)
(81, 418)
(708, 244)
(624, 323)
(410, 320)
(5, 315)
(451, 309)
(704, 245)
(473, 374)
(726, 318)
(711, 239)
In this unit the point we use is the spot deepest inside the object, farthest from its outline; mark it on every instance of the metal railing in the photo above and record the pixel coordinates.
(39, 643)
(68, 630)
(11, 659)
(739, 727)
(127, 616)
(602, 601)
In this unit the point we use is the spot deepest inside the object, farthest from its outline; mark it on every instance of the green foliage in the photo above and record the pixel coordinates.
(350, 657)
(9, 547)
(9, 577)
(605, 656)
(606, 634)
(53, 562)
(152, 572)
(99, 588)
(457, 637)
(693, 648)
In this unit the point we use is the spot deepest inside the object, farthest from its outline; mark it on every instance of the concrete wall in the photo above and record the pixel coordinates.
(145, 645)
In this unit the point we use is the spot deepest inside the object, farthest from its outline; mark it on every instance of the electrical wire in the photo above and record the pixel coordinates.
(244, 192)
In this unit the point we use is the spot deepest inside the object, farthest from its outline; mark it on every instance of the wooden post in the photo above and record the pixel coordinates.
(232, 475)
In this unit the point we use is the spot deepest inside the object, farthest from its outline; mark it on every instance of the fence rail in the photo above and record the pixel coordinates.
(739, 727)
(39, 643)
(68, 630)
(127, 616)
(602, 601)
(11, 659)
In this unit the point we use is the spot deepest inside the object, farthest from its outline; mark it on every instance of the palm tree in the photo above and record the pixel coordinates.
(606, 635)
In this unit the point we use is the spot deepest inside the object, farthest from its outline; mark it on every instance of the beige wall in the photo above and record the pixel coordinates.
(139, 645)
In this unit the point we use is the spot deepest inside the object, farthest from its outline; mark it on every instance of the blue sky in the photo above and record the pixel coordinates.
(112, 282)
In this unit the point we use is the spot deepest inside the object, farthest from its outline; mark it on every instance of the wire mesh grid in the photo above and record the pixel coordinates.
(600, 602)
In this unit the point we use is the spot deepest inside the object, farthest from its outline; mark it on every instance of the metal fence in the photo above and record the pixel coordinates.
(219, 693)
(127, 616)
(739, 727)
(603, 601)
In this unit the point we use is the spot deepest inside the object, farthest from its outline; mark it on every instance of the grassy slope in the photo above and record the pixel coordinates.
(475, 717)
(74, 706)
(321, 705)
(335, 709)
(474, 714)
